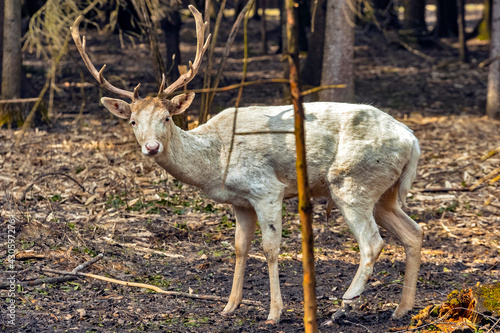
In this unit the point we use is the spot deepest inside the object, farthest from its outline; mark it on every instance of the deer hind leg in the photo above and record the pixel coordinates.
(358, 213)
(391, 217)
(269, 215)
(246, 220)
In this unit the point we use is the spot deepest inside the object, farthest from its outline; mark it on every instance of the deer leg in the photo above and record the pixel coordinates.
(391, 217)
(269, 215)
(245, 229)
(362, 224)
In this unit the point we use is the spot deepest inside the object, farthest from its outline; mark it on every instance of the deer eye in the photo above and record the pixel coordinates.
(167, 119)
(132, 122)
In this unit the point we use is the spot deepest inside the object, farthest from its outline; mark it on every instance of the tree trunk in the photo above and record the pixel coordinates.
(256, 15)
(447, 18)
(338, 52)
(238, 7)
(464, 52)
(1, 41)
(171, 26)
(493, 98)
(415, 16)
(305, 206)
(287, 98)
(311, 72)
(414, 30)
(304, 21)
(11, 69)
(263, 28)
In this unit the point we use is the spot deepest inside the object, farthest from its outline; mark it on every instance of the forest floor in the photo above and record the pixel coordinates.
(153, 229)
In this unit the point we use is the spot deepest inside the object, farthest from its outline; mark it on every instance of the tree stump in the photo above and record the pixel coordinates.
(476, 309)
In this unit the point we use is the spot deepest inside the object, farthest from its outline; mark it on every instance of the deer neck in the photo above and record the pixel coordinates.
(191, 157)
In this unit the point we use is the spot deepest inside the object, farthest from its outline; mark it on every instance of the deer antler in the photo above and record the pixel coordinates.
(200, 50)
(98, 75)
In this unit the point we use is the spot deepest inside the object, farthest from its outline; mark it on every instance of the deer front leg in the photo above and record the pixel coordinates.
(269, 214)
(245, 229)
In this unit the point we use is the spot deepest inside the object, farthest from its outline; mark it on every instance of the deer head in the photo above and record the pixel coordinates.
(150, 117)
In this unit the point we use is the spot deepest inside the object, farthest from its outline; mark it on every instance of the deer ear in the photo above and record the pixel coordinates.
(117, 107)
(181, 103)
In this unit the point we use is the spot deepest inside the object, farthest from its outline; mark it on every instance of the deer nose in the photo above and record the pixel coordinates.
(152, 147)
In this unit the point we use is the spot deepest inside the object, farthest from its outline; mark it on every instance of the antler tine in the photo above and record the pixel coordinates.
(201, 47)
(136, 92)
(162, 85)
(98, 75)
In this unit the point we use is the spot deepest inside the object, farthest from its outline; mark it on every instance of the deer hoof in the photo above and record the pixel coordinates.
(226, 313)
(328, 323)
(341, 313)
(399, 313)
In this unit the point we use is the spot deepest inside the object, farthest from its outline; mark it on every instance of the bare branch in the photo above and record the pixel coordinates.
(51, 174)
(148, 286)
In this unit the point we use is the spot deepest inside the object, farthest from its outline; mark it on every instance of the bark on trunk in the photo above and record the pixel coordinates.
(339, 51)
(414, 30)
(171, 26)
(11, 69)
(1, 42)
(493, 98)
(415, 16)
(447, 18)
(263, 28)
(305, 206)
(311, 72)
(464, 52)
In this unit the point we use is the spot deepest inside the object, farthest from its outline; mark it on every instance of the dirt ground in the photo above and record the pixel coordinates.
(152, 229)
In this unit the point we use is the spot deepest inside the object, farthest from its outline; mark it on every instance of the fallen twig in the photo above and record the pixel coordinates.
(497, 178)
(488, 62)
(88, 263)
(488, 176)
(495, 174)
(58, 279)
(492, 327)
(415, 51)
(29, 255)
(148, 286)
(32, 283)
(491, 153)
(448, 231)
(449, 189)
(255, 256)
(358, 324)
(51, 174)
(142, 249)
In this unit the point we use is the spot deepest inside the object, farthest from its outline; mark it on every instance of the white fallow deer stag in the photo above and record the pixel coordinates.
(359, 156)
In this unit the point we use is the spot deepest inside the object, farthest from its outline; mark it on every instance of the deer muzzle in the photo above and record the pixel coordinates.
(151, 148)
